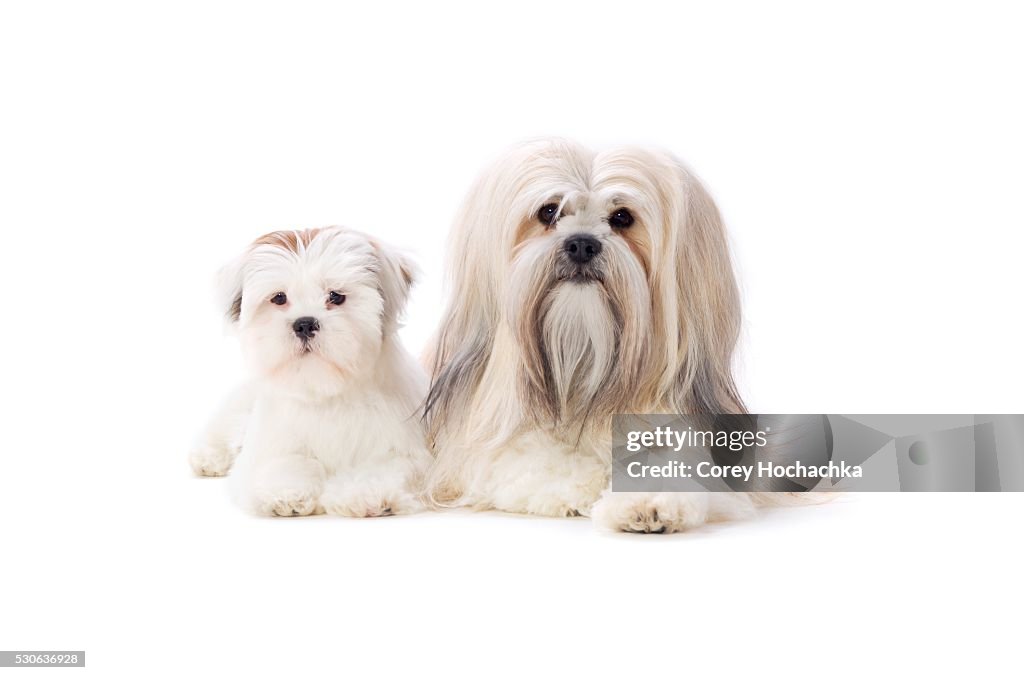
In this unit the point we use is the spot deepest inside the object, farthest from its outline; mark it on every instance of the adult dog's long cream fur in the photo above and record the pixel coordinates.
(539, 347)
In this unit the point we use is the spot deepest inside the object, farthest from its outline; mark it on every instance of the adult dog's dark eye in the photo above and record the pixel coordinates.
(336, 298)
(279, 299)
(620, 219)
(548, 213)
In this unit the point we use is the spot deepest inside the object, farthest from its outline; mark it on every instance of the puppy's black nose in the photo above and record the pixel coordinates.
(582, 248)
(306, 327)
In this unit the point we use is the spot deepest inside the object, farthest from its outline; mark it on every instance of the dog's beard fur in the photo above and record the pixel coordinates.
(580, 330)
(579, 335)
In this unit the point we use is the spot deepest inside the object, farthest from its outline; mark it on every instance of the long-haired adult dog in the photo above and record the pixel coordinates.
(582, 285)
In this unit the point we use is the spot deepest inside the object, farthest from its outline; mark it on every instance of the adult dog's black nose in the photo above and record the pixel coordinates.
(306, 327)
(582, 248)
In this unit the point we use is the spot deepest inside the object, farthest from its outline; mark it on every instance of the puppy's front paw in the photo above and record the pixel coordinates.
(288, 503)
(650, 513)
(369, 507)
(349, 501)
(210, 460)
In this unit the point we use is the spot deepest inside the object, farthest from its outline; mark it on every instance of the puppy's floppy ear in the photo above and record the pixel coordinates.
(228, 285)
(396, 275)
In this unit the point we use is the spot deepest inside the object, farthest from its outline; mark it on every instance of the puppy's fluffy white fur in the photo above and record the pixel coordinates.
(329, 422)
(537, 351)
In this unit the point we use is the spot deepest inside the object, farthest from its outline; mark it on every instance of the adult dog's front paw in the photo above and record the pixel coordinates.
(210, 460)
(650, 513)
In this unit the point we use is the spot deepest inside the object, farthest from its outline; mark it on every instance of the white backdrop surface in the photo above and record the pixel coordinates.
(867, 161)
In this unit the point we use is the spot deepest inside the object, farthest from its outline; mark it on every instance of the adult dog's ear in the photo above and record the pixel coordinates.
(228, 285)
(396, 275)
(709, 305)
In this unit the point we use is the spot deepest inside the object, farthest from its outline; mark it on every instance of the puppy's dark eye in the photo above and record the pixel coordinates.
(279, 299)
(620, 219)
(548, 213)
(336, 298)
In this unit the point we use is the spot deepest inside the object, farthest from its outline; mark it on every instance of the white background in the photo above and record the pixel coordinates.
(867, 160)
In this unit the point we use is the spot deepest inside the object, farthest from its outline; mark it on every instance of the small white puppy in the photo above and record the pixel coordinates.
(329, 422)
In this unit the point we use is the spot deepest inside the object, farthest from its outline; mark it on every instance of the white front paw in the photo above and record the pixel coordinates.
(650, 513)
(212, 460)
(349, 500)
(288, 503)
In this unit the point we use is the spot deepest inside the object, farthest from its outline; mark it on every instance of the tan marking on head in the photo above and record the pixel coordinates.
(639, 248)
(290, 240)
(531, 227)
